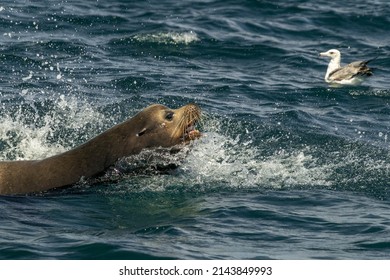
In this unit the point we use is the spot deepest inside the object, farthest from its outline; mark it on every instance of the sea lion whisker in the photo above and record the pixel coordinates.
(182, 126)
(179, 126)
(186, 123)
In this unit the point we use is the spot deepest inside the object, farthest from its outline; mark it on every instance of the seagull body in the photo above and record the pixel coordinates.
(351, 74)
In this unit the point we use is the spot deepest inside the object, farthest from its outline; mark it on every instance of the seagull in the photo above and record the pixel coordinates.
(351, 74)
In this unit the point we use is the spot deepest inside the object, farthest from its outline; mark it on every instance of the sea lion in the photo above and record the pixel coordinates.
(155, 126)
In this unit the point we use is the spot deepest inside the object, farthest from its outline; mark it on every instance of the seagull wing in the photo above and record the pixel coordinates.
(350, 71)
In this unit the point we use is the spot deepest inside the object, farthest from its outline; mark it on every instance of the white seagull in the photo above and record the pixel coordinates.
(351, 74)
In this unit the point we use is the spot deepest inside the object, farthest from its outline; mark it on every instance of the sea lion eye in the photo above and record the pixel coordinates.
(169, 116)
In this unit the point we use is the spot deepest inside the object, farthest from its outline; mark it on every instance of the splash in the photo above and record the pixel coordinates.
(226, 158)
(38, 129)
(219, 159)
(222, 161)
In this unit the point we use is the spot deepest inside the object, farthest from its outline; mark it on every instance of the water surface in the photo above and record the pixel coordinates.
(289, 168)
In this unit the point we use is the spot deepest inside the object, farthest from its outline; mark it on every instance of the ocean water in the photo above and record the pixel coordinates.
(288, 168)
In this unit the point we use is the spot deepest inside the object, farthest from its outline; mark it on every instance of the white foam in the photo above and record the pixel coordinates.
(168, 37)
(29, 77)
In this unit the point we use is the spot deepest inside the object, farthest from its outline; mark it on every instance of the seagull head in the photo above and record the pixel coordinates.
(333, 54)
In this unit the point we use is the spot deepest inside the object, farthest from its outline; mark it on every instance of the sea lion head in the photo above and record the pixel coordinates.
(165, 127)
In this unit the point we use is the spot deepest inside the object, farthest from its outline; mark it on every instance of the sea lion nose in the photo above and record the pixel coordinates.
(192, 107)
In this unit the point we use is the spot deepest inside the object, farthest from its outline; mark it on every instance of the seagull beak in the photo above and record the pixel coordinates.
(323, 54)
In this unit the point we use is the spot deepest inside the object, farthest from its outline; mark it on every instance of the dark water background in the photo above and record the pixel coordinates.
(289, 168)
